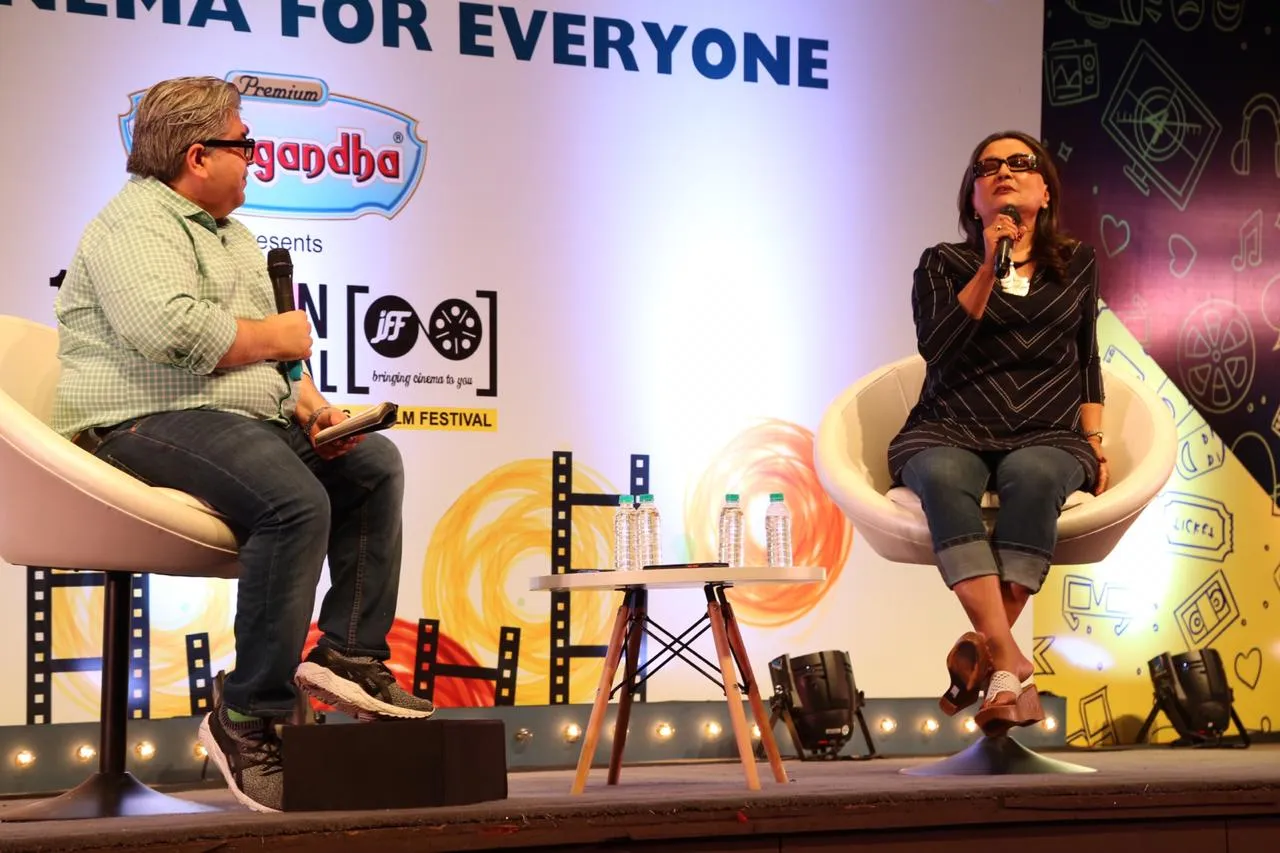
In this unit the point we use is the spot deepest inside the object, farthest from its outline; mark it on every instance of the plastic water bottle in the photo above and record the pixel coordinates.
(624, 535)
(731, 531)
(648, 533)
(777, 531)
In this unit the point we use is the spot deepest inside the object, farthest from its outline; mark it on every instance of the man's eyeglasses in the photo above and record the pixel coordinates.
(243, 147)
(1016, 163)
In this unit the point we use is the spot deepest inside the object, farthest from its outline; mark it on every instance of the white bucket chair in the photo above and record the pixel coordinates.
(63, 508)
(851, 457)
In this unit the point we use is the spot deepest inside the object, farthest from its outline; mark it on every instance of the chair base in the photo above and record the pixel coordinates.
(996, 756)
(105, 795)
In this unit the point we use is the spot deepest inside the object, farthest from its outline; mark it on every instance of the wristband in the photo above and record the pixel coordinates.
(315, 416)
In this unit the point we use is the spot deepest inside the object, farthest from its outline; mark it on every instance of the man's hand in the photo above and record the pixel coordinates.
(288, 336)
(328, 417)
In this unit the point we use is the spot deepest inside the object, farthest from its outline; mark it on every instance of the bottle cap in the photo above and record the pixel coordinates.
(775, 497)
(731, 497)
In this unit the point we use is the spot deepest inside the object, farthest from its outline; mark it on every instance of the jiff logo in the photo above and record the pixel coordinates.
(319, 155)
(454, 328)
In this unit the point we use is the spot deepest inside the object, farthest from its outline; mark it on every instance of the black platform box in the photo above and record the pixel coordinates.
(394, 764)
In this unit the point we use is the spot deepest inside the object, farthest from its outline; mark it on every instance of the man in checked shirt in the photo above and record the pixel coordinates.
(170, 347)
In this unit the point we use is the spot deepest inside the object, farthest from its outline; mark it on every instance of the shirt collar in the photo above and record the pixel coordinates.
(180, 205)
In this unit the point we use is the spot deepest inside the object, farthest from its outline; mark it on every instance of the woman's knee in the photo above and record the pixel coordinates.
(946, 470)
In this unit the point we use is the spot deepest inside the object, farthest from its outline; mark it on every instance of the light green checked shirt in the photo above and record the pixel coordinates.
(148, 309)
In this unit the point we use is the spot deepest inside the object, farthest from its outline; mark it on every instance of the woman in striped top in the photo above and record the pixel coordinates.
(1012, 401)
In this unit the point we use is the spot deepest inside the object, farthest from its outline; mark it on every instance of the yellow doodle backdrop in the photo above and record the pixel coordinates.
(1199, 569)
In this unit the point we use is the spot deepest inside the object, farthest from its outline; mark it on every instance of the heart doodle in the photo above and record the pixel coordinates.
(1115, 235)
(1249, 667)
(1181, 255)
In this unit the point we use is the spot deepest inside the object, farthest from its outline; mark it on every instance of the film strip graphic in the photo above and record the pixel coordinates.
(563, 500)
(42, 585)
(42, 665)
(427, 668)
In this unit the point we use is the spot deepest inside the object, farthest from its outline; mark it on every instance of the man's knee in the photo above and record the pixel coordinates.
(379, 462)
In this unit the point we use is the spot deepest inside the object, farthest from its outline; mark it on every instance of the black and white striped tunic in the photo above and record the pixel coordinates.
(1014, 378)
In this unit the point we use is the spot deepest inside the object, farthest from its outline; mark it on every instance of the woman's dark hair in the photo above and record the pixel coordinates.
(1050, 247)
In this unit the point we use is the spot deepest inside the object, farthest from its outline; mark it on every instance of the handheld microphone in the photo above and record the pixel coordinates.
(280, 268)
(1004, 246)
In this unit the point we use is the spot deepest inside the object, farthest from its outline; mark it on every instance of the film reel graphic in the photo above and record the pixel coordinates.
(1217, 355)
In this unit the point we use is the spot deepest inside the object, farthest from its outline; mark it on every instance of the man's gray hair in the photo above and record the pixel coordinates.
(173, 116)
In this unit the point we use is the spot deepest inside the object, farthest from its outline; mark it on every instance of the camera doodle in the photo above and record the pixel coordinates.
(1207, 612)
(1071, 72)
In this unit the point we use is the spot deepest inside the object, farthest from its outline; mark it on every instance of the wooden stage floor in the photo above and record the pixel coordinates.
(1141, 799)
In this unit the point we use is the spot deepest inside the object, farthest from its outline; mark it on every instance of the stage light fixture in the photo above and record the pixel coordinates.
(1050, 723)
(930, 726)
(665, 730)
(888, 725)
(145, 750)
(713, 729)
(970, 725)
(199, 751)
(572, 732)
(816, 697)
(24, 759)
(755, 731)
(1191, 689)
(85, 752)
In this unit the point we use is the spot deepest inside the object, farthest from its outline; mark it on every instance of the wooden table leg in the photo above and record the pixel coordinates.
(637, 599)
(729, 674)
(592, 735)
(753, 690)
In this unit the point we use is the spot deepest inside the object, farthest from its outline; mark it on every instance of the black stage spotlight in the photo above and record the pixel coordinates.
(1192, 691)
(815, 696)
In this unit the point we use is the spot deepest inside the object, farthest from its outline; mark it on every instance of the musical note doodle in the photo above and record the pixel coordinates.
(1250, 243)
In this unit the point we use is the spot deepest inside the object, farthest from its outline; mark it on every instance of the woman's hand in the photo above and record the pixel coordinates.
(1104, 474)
(328, 417)
(1001, 226)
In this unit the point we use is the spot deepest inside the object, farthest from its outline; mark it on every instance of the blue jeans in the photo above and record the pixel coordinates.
(1032, 482)
(288, 508)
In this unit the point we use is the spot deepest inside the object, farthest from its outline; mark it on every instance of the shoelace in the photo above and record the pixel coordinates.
(263, 750)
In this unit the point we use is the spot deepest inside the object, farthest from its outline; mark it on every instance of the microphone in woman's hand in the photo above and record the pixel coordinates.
(1004, 246)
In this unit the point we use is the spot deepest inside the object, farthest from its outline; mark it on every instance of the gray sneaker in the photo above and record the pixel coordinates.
(359, 686)
(248, 754)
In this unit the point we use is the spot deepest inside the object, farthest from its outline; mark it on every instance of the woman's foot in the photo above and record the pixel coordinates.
(969, 665)
(1009, 701)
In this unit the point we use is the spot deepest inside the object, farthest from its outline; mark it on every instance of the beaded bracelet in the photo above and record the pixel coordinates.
(315, 416)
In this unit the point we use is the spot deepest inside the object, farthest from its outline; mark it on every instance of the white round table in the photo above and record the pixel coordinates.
(633, 621)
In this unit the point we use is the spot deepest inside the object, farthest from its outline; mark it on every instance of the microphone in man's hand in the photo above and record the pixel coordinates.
(1004, 246)
(280, 268)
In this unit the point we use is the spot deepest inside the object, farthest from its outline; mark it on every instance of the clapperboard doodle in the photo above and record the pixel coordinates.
(1207, 612)
(1083, 599)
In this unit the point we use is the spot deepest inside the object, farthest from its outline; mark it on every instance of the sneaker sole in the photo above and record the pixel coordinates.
(347, 696)
(217, 756)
